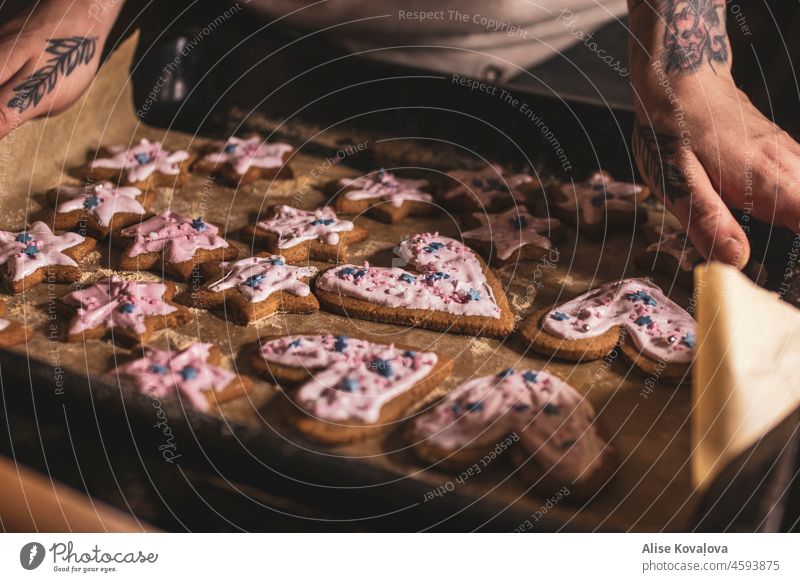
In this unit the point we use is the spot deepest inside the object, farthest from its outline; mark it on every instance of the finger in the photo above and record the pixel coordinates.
(16, 105)
(709, 224)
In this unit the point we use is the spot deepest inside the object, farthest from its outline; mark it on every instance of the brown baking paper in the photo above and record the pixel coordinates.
(647, 418)
(746, 378)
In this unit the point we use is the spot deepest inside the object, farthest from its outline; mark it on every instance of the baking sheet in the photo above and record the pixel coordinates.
(649, 421)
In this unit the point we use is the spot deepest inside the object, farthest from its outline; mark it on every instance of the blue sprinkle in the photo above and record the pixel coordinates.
(567, 444)
(559, 316)
(255, 280)
(433, 247)
(127, 308)
(295, 343)
(410, 354)
(473, 294)
(349, 385)
(520, 407)
(518, 222)
(198, 224)
(279, 262)
(456, 408)
(346, 271)
(497, 184)
(189, 373)
(407, 278)
(551, 409)
(505, 373)
(530, 376)
(689, 340)
(438, 276)
(340, 344)
(91, 202)
(381, 174)
(142, 158)
(384, 368)
(641, 296)
(229, 148)
(31, 250)
(158, 369)
(474, 406)
(23, 237)
(322, 222)
(643, 320)
(359, 274)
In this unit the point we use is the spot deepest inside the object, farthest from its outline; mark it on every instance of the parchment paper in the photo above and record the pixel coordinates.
(648, 419)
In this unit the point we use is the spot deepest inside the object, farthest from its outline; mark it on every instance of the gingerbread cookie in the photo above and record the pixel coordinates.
(192, 374)
(36, 255)
(545, 424)
(654, 333)
(178, 242)
(382, 195)
(351, 389)
(300, 235)
(672, 254)
(600, 202)
(255, 288)
(513, 236)
(244, 160)
(146, 164)
(451, 290)
(100, 208)
(491, 189)
(130, 311)
(11, 332)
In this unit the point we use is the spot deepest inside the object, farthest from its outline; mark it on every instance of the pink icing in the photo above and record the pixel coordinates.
(252, 152)
(294, 226)
(352, 379)
(597, 195)
(450, 279)
(553, 421)
(36, 248)
(179, 237)
(162, 373)
(385, 186)
(674, 242)
(142, 160)
(487, 185)
(101, 200)
(259, 277)
(115, 303)
(512, 230)
(660, 328)
(4, 323)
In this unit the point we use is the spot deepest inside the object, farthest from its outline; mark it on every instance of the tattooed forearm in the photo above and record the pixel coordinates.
(657, 154)
(695, 33)
(68, 53)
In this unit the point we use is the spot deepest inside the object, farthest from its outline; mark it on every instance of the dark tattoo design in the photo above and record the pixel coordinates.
(67, 53)
(657, 155)
(695, 32)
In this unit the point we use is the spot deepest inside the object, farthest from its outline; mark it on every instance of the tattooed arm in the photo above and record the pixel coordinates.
(699, 142)
(48, 56)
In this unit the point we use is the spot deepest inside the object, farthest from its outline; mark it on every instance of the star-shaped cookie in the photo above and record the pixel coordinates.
(382, 195)
(244, 160)
(492, 189)
(146, 164)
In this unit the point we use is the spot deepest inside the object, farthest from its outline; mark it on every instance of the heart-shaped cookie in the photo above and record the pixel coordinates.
(451, 289)
(654, 332)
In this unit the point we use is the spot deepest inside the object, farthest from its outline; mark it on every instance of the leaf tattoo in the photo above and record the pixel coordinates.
(68, 54)
(657, 153)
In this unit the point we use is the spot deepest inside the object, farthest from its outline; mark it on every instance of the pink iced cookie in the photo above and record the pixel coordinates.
(349, 387)
(130, 310)
(490, 189)
(546, 416)
(242, 160)
(192, 374)
(136, 164)
(100, 207)
(383, 195)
